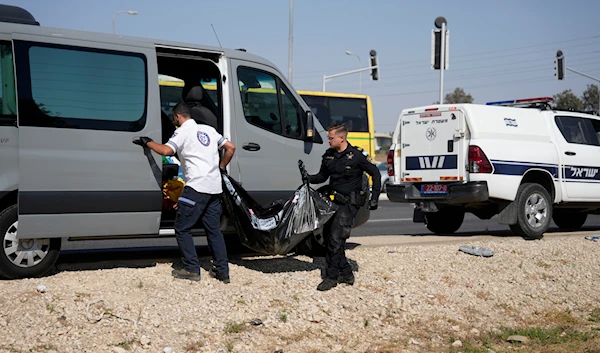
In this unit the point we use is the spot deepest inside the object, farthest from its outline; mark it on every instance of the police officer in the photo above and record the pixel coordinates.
(344, 165)
(198, 145)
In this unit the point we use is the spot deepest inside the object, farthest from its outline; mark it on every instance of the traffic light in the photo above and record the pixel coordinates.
(436, 49)
(374, 65)
(559, 65)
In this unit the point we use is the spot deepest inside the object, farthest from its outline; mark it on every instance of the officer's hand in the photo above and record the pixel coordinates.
(143, 141)
(223, 170)
(372, 205)
(305, 177)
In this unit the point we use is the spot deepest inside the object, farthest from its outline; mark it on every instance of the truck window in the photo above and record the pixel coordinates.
(268, 104)
(576, 130)
(8, 100)
(81, 88)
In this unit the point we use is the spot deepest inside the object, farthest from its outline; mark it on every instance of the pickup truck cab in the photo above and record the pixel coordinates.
(528, 165)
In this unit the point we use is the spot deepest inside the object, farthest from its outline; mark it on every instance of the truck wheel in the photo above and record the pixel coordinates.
(445, 221)
(569, 220)
(534, 211)
(21, 258)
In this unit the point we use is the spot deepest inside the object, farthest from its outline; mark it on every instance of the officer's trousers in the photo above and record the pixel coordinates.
(337, 231)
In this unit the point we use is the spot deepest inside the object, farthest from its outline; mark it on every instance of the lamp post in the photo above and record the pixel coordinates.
(121, 11)
(348, 52)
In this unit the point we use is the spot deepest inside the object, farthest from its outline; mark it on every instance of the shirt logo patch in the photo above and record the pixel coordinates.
(174, 134)
(203, 138)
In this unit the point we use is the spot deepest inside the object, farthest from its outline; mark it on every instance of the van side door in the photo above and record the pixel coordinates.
(81, 103)
(269, 132)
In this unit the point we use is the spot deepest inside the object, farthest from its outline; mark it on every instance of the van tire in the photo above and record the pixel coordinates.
(8, 269)
(569, 220)
(534, 211)
(445, 221)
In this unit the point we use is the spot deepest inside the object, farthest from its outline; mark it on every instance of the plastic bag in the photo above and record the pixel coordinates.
(276, 228)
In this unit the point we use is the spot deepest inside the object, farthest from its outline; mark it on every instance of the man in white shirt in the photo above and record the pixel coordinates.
(197, 146)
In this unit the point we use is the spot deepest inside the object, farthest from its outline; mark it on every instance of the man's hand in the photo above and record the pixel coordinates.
(223, 170)
(305, 177)
(143, 141)
(372, 205)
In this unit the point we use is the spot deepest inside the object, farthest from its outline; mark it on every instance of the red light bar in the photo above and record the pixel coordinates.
(430, 109)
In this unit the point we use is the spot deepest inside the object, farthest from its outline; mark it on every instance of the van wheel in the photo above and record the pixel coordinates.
(445, 221)
(21, 258)
(310, 247)
(569, 220)
(534, 211)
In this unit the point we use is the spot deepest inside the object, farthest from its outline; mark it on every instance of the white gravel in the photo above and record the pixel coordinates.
(405, 299)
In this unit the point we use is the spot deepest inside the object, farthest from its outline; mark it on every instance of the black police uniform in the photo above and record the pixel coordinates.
(345, 172)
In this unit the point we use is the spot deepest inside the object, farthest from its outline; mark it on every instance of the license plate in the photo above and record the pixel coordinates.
(434, 189)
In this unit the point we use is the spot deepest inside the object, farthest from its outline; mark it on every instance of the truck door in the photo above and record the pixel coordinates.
(80, 106)
(432, 149)
(579, 147)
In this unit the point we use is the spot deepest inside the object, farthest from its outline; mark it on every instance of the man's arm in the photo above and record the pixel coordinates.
(163, 150)
(228, 151)
(366, 165)
(321, 176)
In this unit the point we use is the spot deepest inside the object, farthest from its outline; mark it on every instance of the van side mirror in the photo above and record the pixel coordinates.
(310, 126)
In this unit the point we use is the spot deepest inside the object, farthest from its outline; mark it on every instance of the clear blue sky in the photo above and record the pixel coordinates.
(499, 50)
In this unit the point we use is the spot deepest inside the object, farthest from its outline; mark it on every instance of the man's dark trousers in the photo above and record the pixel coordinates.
(337, 231)
(192, 206)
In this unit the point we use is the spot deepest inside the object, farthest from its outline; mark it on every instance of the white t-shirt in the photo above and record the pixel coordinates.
(198, 147)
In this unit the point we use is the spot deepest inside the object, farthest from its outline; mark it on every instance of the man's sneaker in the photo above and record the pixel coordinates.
(327, 284)
(185, 274)
(349, 279)
(215, 275)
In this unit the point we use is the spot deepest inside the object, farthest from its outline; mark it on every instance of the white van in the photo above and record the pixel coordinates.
(72, 102)
(528, 165)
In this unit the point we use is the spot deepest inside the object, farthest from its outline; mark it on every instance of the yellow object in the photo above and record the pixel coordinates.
(173, 189)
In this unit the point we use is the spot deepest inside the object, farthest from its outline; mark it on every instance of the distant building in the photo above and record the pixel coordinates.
(382, 140)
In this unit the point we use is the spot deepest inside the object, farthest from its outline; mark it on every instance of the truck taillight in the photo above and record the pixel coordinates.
(390, 162)
(478, 161)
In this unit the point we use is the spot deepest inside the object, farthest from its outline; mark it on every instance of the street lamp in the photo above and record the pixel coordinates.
(348, 52)
(118, 12)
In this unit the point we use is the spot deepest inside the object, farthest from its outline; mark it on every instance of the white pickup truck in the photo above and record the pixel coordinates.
(527, 165)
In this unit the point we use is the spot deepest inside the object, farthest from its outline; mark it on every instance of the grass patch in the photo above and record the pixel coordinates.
(595, 315)
(543, 265)
(126, 345)
(229, 346)
(234, 327)
(283, 317)
(50, 307)
(366, 323)
(194, 346)
(140, 284)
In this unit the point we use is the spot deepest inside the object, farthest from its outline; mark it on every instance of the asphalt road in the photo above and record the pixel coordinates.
(389, 219)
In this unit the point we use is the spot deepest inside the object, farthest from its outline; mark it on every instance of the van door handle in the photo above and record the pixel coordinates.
(251, 146)
(569, 153)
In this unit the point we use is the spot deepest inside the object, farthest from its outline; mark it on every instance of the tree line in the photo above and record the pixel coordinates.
(565, 100)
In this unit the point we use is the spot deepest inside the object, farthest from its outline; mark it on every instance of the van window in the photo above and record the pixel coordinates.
(8, 99)
(577, 130)
(81, 88)
(268, 104)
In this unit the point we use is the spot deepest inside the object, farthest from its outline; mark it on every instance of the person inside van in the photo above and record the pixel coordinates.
(198, 147)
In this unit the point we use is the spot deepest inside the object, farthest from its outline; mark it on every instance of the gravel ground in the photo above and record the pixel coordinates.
(405, 299)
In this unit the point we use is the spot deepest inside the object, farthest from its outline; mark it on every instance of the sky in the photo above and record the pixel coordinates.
(499, 50)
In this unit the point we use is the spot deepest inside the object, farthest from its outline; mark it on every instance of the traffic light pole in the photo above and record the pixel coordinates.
(328, 77)
(593, 78)
(442, 61)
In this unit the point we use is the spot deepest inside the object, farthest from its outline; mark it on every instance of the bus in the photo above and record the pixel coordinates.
(355, 110)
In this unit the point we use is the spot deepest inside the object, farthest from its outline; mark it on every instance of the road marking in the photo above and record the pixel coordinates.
(390, 220)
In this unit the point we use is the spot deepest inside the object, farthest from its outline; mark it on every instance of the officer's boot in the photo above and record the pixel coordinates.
(327, 284)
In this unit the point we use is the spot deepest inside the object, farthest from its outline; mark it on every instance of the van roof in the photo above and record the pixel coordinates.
(19, 21)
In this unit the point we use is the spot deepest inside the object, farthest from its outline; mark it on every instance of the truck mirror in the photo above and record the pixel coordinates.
(310, 126)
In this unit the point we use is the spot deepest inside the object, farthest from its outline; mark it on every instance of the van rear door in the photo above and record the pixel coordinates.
(80, 106)
(433, 150)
